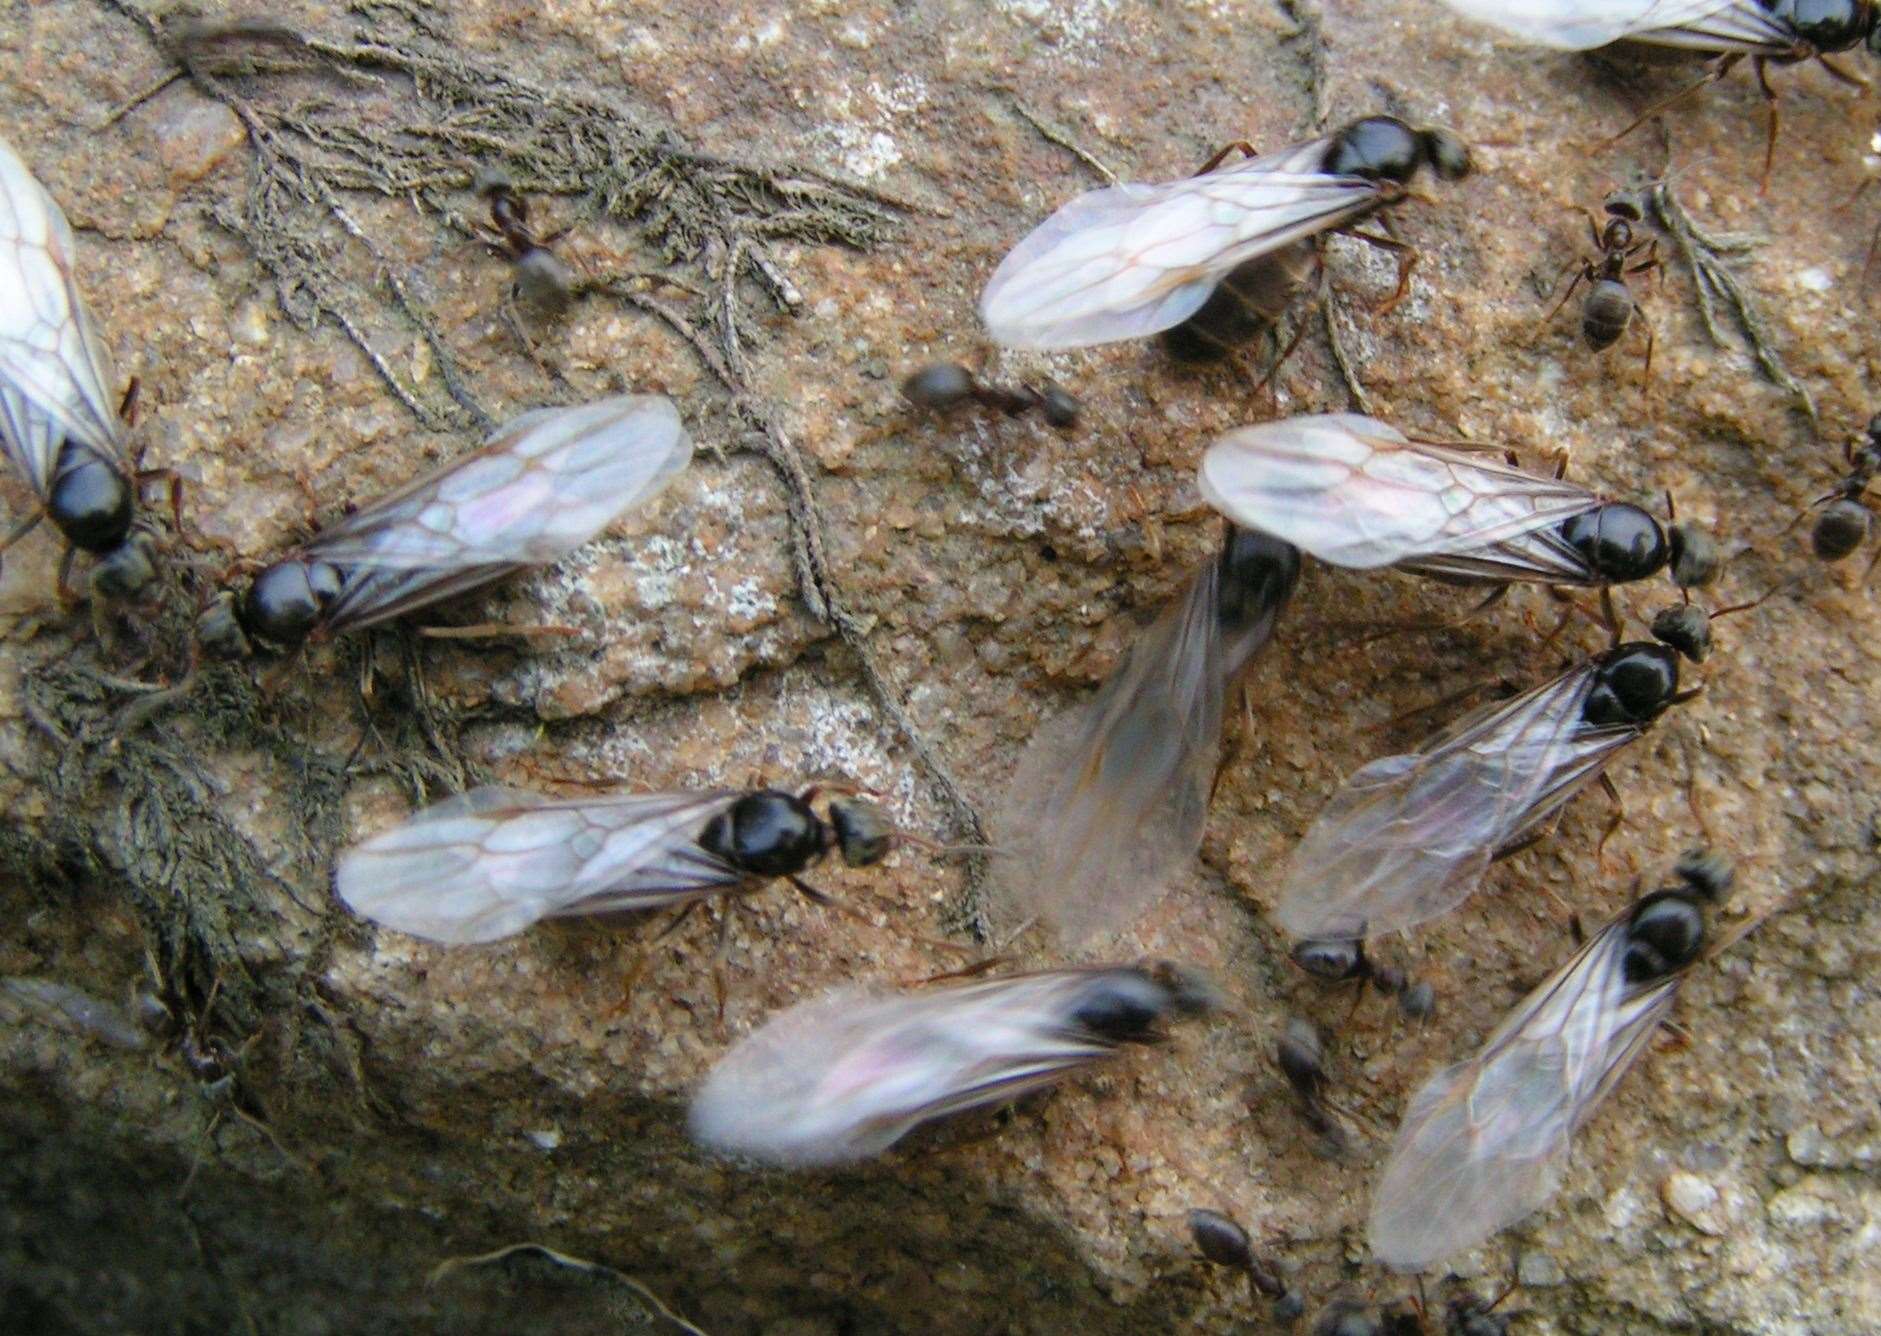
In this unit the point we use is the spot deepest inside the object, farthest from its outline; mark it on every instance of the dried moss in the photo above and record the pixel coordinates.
(396, 110)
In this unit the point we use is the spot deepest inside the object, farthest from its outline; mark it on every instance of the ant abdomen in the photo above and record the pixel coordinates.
(1249, 301)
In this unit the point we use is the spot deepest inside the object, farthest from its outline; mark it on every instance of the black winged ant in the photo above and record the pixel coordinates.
(1609, 306)
(1130, 261)
(541, 277)
(944, 385)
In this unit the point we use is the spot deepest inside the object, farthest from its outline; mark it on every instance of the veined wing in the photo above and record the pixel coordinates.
(51, 359)
(489, 863)
(1483, 1143)
(1578, 25)
(1356, 492)
(1408, 837)
(539, 488)
(846, 1076)
(1110, 798)
(31, 439)
(1129, 260)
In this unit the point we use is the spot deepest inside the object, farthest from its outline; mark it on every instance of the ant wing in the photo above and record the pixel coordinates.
(1408, 837)
(55, 375)
(1483, 1143)
(539, 488)
(31, 439)
(1109, 800)
(1356, 492)
(488, 863)
(1578, 25)
(1129, 260)
(847, 1075)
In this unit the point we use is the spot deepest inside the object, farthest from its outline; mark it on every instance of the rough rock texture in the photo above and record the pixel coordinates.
(330, 1110)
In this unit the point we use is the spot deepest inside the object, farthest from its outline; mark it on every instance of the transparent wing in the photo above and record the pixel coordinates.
(846, 1076)
(490, 862)
(1578, 25)
(1408, 837)
(1109, 800)
(539, 488)
(1483, 1143)
(56, 374)
(1356, 492)
(1130, 260)
(31, 439)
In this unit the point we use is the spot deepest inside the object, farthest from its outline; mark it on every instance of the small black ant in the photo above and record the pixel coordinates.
(542, 278)
(1610, 306)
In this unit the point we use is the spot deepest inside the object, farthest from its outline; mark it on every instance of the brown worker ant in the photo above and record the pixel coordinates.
(1610, 306)
(542, 278)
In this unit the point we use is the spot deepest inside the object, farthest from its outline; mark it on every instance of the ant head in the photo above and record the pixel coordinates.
(491, 180)
(1617, 235)
(1623, 206)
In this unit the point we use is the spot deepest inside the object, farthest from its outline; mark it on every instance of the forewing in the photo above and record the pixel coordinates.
(534, 492)
(1578, 25)
(50, 354)
(1355, 492)
(1129, 260)
(1408, 837)
(846, 1076)
(1483, 1143)
(1109, 800)
(489, 863)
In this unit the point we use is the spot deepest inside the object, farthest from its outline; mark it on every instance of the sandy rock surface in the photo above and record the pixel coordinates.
(279, 245)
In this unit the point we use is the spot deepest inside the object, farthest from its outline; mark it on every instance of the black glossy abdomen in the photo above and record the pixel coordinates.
(1605, 315)
(90, 499)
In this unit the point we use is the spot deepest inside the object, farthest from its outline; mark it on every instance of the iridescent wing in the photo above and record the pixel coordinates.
(1129, 260)
(538, 489)
(55, 377)
(1408, 837)
(847, 1075)
(490, 862)
(1483, 1143)
(1109, 800)
(1356, 492)
(1578, 25)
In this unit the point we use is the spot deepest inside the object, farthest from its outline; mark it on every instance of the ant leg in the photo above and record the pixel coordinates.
(1651, 338)
(1586, 275)
(494, 631)
(1724, 65)
(1619, 816)
(1267, 380)
(1837, 72)
(718, 960)
(66, 594)
(1770, 105)
(1240, 146)
(21, 529)
(1407, 261)
(1593, 230)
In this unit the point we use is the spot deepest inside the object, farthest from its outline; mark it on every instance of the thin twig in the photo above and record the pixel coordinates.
(1051, 134)
(1703, 252)
(646, 1296)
